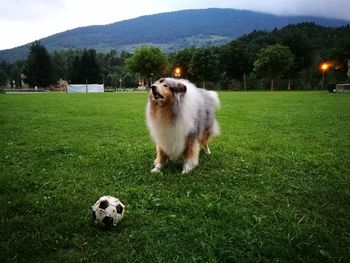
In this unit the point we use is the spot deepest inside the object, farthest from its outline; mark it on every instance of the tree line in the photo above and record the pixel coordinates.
(288, 58)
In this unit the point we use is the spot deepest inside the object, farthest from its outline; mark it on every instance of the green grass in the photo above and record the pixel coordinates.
(276, 187)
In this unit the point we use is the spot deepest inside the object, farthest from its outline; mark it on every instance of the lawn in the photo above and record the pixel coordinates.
(276, 187)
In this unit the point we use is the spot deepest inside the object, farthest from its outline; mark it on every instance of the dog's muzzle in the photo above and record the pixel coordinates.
(155, 93)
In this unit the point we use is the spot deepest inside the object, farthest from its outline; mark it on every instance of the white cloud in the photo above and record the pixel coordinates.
(30, 10)
(23, 21)
(325, 8)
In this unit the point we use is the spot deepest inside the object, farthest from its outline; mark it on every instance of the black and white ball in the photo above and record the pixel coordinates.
(108, 211)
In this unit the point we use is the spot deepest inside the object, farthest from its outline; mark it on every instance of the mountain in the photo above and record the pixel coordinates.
(170, 31)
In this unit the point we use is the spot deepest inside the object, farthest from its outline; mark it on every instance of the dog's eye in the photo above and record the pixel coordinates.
(166, 85)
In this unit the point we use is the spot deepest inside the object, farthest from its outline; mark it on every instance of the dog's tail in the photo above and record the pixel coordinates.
(215, 98)
(215, 128)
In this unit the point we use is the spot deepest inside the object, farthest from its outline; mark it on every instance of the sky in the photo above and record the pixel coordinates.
(24, 21)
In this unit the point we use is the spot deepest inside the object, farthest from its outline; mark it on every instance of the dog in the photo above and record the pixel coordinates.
(180, 117)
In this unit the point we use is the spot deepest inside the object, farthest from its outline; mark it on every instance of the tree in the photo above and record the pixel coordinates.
(85, 68)
(92, 70)
(74, 75)
(234, 60)
(273, 61)
(204, 64)
(61, 62)
(3, 78)
(128, 81)
(113, 67)
(38, 69)
(148, 62)
(3, 74)
(339, 56)
(183, 59)
(15, 72)
(297, 41)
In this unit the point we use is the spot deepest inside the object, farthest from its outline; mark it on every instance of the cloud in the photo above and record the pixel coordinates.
(108, 11)
(24, 21)
(324, 8)
(30, 10)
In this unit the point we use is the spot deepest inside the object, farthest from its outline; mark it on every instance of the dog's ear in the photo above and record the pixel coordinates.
(181, 88)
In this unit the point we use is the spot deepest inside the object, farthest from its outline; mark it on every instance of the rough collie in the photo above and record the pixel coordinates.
(180, 117)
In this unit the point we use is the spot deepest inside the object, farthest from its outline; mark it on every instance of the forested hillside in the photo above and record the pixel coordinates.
(239, 64)
(170, 31)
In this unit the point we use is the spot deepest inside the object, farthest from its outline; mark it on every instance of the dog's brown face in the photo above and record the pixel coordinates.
(163, 91)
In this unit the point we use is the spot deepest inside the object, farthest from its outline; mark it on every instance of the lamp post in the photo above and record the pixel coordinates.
(177, 72)
(324, 67)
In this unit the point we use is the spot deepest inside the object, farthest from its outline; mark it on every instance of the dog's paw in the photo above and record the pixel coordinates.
(155, 170)
(188, 167)
(186, 170)
(207, 150)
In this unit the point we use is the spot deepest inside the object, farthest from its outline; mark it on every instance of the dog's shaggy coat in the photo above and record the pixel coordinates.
(180, 117)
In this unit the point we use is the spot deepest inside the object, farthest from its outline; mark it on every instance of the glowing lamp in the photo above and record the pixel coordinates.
(177, 72)
(325, 67)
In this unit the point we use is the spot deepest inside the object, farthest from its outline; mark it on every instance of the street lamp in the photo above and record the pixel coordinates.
(177, 72)
(324, 68)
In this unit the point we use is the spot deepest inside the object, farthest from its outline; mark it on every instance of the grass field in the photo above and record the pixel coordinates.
(275, 189)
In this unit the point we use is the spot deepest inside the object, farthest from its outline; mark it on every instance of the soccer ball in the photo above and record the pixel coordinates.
(108, 211)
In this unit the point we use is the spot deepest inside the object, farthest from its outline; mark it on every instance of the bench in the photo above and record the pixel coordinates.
(342, 88)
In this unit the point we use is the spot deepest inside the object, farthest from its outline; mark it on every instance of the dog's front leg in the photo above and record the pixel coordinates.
(191, 155)
(159, 161)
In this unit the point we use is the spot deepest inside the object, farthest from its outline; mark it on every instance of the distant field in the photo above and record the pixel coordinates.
(275, 189)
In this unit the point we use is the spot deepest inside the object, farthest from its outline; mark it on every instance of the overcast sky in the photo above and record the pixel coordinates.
(23, 21)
